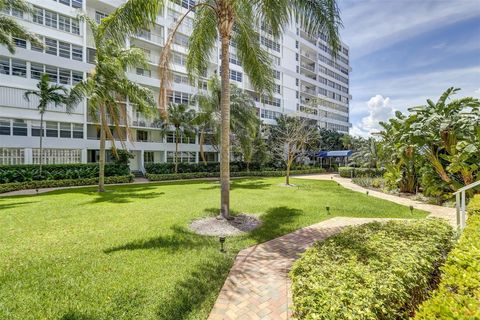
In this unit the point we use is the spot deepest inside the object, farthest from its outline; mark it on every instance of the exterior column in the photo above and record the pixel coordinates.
(142, 160)
(83, 157)
(28, 155)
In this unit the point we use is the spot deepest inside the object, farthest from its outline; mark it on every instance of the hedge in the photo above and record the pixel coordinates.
(30, 172)
(213, 167)
(374, 271)
(7, 187)
(351, 172)
(198, 175)
(458, 295)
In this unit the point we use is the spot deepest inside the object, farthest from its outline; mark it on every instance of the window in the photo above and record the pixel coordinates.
(276, 74)
(64, 49)
(19, 128)
(142, 135)
(64, 76)
(77, 53)
(236, 75)
(36, 129)
(52, 129)
(179, 97)
(4, 127)
(148, 157)
(78, 131)
(271, 101)
(38, 15)
(19, 68)
(77, 3)
(179, 59)
(20, 43)
(34, 47)
(51, 19)
(99, 16)
(65, 130)
(64, 23)
(36, 70)
(75, 26)
(77, 77)
(270, 44)
(52, 73)
(51, 46)
(144, 72)
(181, 40)
(91, 53)
(4, 65)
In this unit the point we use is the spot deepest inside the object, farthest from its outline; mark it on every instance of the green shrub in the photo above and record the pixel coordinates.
(373, 271)
(377, 183)
(458, 295)
(7, 187)
(198, 175)
(351, 172)
(29, 172)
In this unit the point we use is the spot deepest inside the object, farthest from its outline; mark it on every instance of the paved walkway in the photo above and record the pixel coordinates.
(258, 286)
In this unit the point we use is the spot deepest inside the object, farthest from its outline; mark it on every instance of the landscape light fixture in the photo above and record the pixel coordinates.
(411, 209)
(222, 241)
(367, 192)
(328, 209)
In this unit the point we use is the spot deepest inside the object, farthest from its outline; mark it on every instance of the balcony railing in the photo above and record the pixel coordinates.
(460, 204)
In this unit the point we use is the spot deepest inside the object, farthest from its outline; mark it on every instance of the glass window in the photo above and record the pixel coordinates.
(19, 128)
(38, 15)
(77, 53)
(36, 129)
(78, 131)
(64, 49)
(64, 23)
(65, 2)
(51, 46)
(65, 76)
(77, 3)
(21, 43)
(19, 68)
(36, 70)
(35, 47)
(75, 26)
(91, 55)
(52, 129)
(51, 19)
(4, 127)
(77, 77)
(65, 130)
(52, 73)
(4, 65)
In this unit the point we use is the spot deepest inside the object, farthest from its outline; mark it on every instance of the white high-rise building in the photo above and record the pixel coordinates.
(308, 81)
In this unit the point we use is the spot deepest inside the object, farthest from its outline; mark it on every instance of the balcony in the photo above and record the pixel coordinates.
(151, 37)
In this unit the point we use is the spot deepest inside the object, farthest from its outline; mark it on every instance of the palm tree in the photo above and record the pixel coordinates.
(9, 28)
(238, 21)
(242, 110)
(108, 83)
(48, 94)
(181, 117)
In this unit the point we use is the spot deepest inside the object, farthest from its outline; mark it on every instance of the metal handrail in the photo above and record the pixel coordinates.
(460, 204)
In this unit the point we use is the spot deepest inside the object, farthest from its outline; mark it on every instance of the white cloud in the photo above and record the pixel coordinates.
(379, 109)
(476, 93)
(375, 24)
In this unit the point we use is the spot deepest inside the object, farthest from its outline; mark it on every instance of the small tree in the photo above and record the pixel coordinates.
(181, 117)
(48, 94)
(292, 137)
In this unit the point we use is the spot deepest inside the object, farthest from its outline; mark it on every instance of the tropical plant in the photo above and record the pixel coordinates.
(181, 117)
(108, 82)
(10, 28)
(243, 114)
(238, 21)
(366, 152)
(49, 94)
(291, 139)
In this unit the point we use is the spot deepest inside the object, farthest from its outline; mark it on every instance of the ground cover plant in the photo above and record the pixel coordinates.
(127, 253)
(374, 271)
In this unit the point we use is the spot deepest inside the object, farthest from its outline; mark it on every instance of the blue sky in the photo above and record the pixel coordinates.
(405, 51)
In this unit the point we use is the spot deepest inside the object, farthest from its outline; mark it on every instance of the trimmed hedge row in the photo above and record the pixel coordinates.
(25, 173)
(458, 295)
(351, 172)
(212, 167)
(374, 271)
(198, 175)
(7, 187)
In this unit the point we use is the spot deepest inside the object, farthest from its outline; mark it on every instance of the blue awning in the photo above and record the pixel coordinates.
(334, 154)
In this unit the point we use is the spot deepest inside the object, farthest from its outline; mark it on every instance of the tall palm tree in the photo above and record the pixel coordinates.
(238, 20)
(10, 28)
(48, 94)
(108, 83)
(242, 110)
(181, 117)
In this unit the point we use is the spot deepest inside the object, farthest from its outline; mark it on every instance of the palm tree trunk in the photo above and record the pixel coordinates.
(41, 144)
(101, 169)
(201, 141)
(176, 150)
(225, 126)
(287, 178)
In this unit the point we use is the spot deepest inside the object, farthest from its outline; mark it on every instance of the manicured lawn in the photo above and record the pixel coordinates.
(128, 254)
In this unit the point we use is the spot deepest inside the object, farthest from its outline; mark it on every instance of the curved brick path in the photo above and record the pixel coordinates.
(258, 286)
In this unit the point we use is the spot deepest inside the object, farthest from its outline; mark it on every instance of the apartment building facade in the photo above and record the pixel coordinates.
(308, 81)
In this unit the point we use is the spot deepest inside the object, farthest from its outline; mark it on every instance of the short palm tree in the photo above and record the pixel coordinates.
(49, 94)
(242, 110)
(10, 28)
(238, 21)
(181, 117)
(108, 83)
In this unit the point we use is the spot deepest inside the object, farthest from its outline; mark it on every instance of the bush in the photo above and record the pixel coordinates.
(198, 175)
(458, 295)
(474, 206)
(373, 271)
(351, 172)
(377, 183)
(7, 187)
(29, 172)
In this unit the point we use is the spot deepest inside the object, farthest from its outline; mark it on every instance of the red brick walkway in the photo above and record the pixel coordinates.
(258, 286)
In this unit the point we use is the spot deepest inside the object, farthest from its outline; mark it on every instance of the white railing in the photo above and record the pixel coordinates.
(460, 204)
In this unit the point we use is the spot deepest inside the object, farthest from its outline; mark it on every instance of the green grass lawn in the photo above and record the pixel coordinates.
(128, 254)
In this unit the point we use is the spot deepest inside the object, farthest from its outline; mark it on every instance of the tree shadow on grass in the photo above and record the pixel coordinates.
(14, 205)
(192, 293)
(181, 239)
(276, 222)
(121, 194)
(74, 315)
(255, 184)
